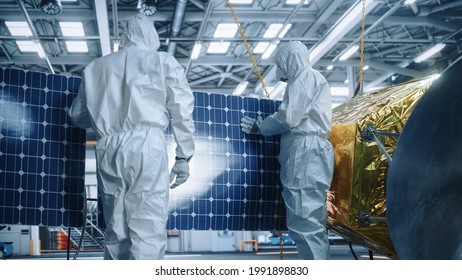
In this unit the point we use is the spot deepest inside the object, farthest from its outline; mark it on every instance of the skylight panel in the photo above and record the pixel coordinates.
(225, 30)
(72, 28)
(284, 31)
(295, 2)
(261, 47)
(26, 46)
(77, 46)
(218, 47)
(18, 28)
(274, 28)
(241, 2)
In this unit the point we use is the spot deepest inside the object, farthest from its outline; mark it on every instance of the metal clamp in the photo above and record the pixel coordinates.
(370, 133)
(364, 219)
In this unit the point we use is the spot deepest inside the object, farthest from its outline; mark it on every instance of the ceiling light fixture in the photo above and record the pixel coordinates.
(196, 51)
(346, 23)
(40, 50)
(115, 45)
(240, 88)
(147, 7)
(51, 7)
(349, 53)
(430, 52)
(409, 2)
(270, 49)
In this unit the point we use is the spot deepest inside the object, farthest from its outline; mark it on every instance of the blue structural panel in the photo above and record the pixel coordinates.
(42, 155)
(234, 182)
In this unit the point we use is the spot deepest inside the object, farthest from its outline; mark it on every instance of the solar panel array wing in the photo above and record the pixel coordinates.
(42, 154)
(234, 183)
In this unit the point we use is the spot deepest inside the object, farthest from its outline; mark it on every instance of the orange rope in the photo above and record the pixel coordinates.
(361, 61)
(248, 49)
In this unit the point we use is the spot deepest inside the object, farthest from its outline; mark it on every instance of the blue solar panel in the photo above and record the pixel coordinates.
(234, 183)
(41, 154)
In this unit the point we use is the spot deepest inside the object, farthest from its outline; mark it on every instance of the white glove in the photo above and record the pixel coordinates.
(180, 170)
(250, 125)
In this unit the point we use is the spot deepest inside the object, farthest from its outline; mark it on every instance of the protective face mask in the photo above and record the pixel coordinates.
(280, 75)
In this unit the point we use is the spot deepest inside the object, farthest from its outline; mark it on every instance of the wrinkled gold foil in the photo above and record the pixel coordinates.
(358, 185)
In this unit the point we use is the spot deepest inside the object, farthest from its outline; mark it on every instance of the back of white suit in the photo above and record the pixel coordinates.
(129, 98)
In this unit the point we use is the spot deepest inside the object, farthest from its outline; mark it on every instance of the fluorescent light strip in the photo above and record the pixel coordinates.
(269, 50)
(430, 52)
(284, 31)
(40, 50)
(349, 53)
(116, 46)
(241, 2)
(342, 27)
(240, 88)
(196, 50)
(295, 2)
(261, 47)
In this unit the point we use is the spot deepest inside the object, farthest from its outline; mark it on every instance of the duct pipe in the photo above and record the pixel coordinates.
(177, 23)
(115, 20)
(34, 33)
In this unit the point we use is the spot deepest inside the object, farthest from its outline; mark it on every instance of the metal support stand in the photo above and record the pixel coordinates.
(281, 254)
(68, 242)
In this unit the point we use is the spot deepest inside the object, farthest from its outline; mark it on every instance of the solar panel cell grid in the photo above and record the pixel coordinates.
(41, 154)
(234, 183)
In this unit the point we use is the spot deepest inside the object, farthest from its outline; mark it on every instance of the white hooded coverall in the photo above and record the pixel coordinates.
(306, 156)
(129, 98)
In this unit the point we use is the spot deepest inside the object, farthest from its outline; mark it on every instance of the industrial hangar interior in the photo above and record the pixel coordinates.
(371, 52)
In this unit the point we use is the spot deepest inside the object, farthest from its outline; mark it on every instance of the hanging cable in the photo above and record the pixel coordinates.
(281, 253)
(248, 49)
(359, 83)
(352, 251)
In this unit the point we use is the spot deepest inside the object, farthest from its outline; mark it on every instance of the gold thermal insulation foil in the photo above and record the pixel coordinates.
(357, 197)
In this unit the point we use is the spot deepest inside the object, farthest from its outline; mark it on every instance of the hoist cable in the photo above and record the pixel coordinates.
(359, 84)
(248, 49)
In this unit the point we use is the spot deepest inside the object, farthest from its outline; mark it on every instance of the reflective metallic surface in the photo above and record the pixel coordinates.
(424, 182)
(357, 202)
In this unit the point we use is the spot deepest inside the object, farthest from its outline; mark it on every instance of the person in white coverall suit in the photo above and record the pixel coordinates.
(306, 156)
(129, 98)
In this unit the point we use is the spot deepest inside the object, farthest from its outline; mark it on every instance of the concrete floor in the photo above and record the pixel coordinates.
(337, 252)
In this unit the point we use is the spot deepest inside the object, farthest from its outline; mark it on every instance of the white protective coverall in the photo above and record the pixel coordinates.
(129, 97)
(306, 156)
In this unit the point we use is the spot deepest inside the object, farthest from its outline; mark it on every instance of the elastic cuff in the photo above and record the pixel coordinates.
(186, 159)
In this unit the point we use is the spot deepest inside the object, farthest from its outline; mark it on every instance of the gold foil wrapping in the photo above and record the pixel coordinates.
(358, 186)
